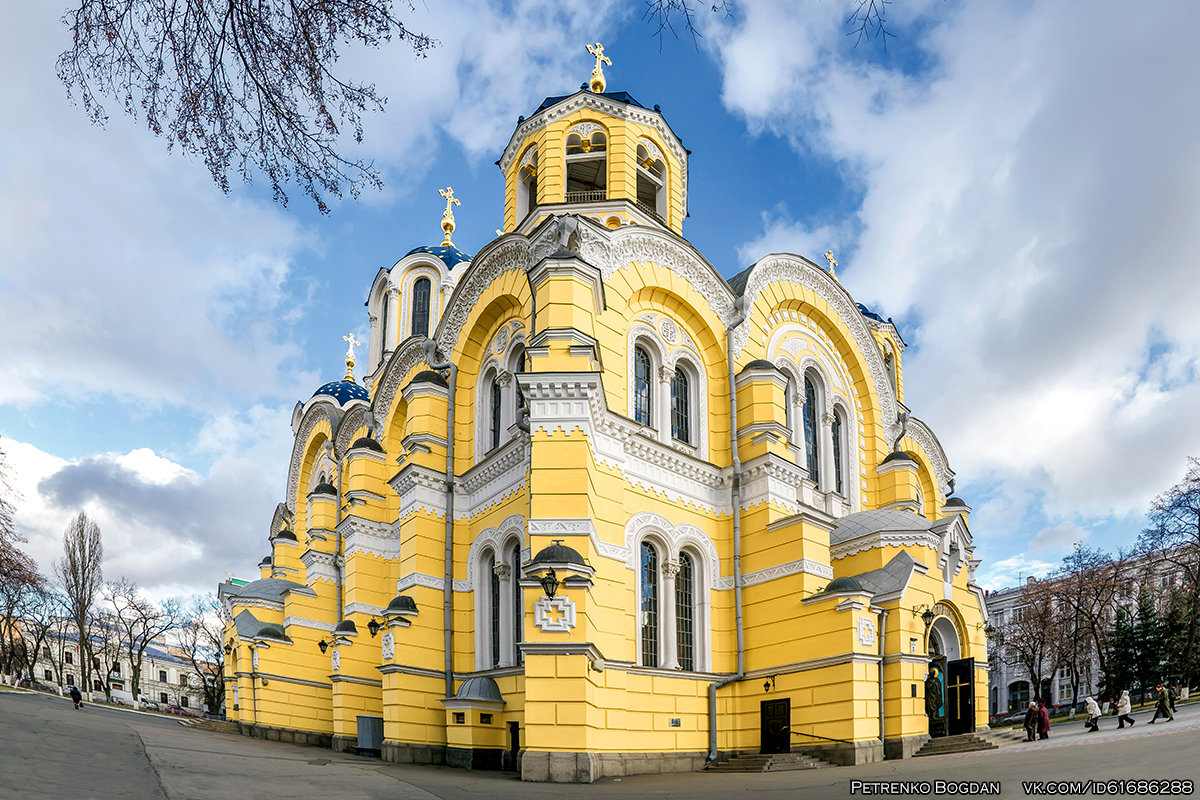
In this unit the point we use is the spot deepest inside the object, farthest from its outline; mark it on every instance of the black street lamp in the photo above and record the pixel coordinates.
(549, 583)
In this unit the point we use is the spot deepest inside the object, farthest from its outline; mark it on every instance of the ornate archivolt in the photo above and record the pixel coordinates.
(316, 413)
(495, 539)
(407, 356)
(920, 433)
(675, 537)
(512, 253)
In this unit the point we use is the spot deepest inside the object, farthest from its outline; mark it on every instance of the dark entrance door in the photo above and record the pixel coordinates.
(514, 745)
(777, 726)
(960, 696)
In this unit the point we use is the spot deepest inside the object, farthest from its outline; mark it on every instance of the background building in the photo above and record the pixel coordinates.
(626, 516)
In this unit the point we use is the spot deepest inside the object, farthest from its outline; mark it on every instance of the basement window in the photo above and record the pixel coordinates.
(460, 717)
(485, 719)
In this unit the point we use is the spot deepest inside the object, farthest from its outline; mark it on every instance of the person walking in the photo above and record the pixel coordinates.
(1093, 712)
(1163, 708)
(1031, 721)
(1043, 721)
(76, 697)
(1124, 706)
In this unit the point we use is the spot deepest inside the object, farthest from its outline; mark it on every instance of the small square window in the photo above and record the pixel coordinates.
(162, 697)
(97, 686)
(485, 719)
(70, 658)
(162, 676)
(183, 700)
(70, 679)
(460, 717)
(48, 675)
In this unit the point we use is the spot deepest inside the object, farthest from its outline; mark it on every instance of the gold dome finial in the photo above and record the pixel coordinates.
(448, 215)
(832, 263)
(597, 82)
(351, 341)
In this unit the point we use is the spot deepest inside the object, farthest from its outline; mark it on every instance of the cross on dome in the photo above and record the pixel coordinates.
(448, 214)
(832, 262)
(597, 82)
(351, 342)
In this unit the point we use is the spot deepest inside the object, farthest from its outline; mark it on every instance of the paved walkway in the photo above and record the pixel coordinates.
(49, 750)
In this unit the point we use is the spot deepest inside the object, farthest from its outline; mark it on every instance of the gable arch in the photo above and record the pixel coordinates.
(314, 416)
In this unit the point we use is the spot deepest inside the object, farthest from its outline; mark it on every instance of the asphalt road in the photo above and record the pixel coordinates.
(49, 750)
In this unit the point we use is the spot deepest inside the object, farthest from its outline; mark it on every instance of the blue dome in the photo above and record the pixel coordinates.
(344, 391)
(449, 255)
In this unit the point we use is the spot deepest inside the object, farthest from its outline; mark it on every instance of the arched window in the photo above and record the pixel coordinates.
(641, 386)
(685, 613)
(789, 409)
(527, 183)
(649, 587)
(651, 179)
(497, 400)
(810, 430)
(518, 367)
(518, 613)
(839, 448)
(420, 316)
(681, 409)
(587, 164)
(494, 607)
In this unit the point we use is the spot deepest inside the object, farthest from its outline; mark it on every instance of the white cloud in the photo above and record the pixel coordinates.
(1028, 208)
(1057, 538)
(168, 528)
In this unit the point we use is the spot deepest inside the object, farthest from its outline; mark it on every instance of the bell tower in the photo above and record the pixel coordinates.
(598, 154)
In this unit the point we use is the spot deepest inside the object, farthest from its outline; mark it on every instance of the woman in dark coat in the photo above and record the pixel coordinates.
(1043, 721)
(76, 697)
(1031, 722)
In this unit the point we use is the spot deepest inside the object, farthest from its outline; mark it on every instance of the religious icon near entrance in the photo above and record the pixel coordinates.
(934, 692)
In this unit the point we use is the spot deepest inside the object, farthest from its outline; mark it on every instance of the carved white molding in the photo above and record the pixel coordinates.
(372, 538)
(319, 566)
(335, 660)
(771, 479)
(554, 615)
(866, 631)
(418, 579)
(585, 129)
(254, 657)
(348, 426)
(388, 646)
(255, 602)
(801, 565)
(651, 148)
(487, 267)
(303, 622)
(676, 538)
(410, 353)
(578, 527)
(886, 539)
(920, 433)
(420, 489)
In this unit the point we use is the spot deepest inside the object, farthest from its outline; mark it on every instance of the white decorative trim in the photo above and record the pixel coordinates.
(354, 419)
(424, 387)
(255, 602)
(920, 433)
(362, 608)
(372, 538)
(800, 565)
(866, 631)
(319, 566)
(769, 478)
(388, 646)
(885, 539)
(302, 622)
(313, 415)
(675, 537)
(420, 489)
(510, 254)
(497, 538)
(578, 527)
(419, 579)
(490, 482)
(407, 356)
(335, 660)
(554, 615)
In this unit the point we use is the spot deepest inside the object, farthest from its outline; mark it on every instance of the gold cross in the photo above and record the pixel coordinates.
(448, 214)
(597, 82)
(352, 342)
(958, 687)
(832, 262)
(554, 614)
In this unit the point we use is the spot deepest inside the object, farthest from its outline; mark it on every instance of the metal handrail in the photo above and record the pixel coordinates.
(585, 197)
(815, 736)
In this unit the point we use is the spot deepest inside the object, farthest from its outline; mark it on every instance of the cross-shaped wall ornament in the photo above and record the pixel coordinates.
(554, 615)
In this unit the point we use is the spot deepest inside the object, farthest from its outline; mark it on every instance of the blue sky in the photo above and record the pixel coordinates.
(1016, 184)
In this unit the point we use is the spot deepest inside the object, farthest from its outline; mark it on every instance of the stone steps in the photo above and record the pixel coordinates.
(216, 725)
(962, 743)
(779, 762)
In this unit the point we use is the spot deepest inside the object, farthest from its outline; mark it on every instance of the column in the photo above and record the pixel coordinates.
(393, 322)
(663, 420)
(667, 629)
(504, 573)
(826, 452)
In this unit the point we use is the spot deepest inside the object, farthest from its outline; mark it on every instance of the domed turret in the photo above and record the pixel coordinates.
(596, 153)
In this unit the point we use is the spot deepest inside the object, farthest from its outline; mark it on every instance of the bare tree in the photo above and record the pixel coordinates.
(1085, 588)
(201, 638)
(80, 575)
(105, 646)
(39, 612)
(1033, 636)
(243, 84)
(141, 622)
(1173, 540)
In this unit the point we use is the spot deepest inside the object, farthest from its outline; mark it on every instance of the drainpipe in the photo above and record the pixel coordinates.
(337, 550)
(736, 497)
(883, 615)
(448, 577)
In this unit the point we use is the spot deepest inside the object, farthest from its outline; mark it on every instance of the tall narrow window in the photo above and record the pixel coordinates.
(519, 368)
(810, 430)
(496, 399)
(838, 449)
(641, 386)
(420, 316)
(685, 613)
(494, 597)
(587, 164)
(651, 179)
(383, 327)
(681, 412)
(649, 605)
(518, 614)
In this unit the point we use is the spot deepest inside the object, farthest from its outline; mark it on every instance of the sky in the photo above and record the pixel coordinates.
(1017, 184)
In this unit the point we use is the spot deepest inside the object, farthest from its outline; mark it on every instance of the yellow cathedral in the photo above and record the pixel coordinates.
(595, 510)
